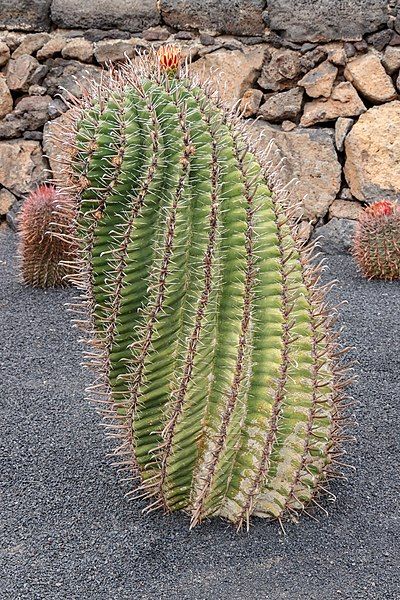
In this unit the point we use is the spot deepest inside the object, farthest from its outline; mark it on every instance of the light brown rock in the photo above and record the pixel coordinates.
(78, 49)
(336, 53)
(345, 209)
(342, 128)
(280, 69)
(282, 106)
(22, 166)
(12, 38)
(56, 153)
(251, 102)
(4, 54)
(113, 50)
(232, 72)
(288, 126)
(319, 81)
(31, 43)
(6, 101)
(20, 72)
(311, 169)
(376, 139)
(343, 102)
(6, 201)
(369, 77)
(52, 47)
(391, 59)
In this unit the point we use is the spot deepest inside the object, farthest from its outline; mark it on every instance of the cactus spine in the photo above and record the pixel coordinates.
(211, 338)
(45, 247)
(377, 241)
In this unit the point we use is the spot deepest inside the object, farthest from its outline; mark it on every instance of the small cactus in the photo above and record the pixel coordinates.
(377, 241)
(213, 344)
(44, 226)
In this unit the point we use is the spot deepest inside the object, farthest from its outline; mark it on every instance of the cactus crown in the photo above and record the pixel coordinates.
(376, 246)
(212, 341)
(44, 229)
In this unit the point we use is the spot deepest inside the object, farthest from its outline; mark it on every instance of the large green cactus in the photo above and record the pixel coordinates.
(211, 339)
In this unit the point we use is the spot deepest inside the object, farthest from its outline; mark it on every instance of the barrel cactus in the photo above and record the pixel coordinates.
(45, 246)
(377, 241)
(218, 368)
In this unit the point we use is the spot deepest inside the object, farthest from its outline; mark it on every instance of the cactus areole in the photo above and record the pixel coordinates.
(212, 343)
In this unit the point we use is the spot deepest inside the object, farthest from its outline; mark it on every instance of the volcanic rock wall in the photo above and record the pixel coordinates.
(319, 77)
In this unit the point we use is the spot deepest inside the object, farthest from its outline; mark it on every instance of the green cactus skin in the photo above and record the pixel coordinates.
(376, 247)
(216, 360)
(45, 248)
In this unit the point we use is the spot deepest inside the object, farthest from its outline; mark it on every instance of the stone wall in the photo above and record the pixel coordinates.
(321, 78)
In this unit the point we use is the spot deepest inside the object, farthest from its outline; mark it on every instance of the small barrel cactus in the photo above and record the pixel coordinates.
(377, 241)
(213, 344)
(45, 247)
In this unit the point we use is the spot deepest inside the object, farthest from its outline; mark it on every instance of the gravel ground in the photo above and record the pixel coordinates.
(68, 532)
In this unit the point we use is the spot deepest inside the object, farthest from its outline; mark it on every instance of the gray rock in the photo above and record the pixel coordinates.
(156, 34)
(68, 76)
(130, 15)
(395, 41)
(26, 15)
(33, 135)
(250, 40)
(242, 17)
(97, 35)
(336, 237)
(114, 50)
(278, 72)
(30, 113)
(380, 39)
(361, 46)
(207, 40)
(56, 108)
(310, 21)
(397, 23)
(184, 35)
(313, 58)
(307, 47)
(282, 106)
(349, 49)
(342, 128)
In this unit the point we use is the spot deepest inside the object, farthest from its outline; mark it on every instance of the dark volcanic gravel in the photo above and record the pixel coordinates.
(68, 532)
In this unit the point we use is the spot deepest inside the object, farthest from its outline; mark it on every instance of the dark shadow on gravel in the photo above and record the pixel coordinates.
(68, 532)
